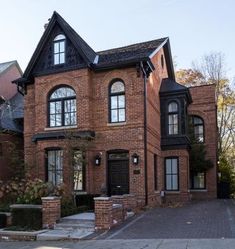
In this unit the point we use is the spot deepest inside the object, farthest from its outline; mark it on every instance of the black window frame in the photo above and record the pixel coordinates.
(121, 93)
(165, 174)
(171, 113)
(192, 174)
(83, 172)
(62, 101)
(53, 149)
(1, 150)
(59, 53)
(197, 125)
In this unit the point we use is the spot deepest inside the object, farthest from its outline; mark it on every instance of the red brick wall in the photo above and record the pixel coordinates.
(8, 143)
(7, 89)
(204, 105)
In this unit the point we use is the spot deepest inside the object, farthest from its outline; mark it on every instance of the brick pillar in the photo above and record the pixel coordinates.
(103, 213)
(130, 202)
(51, 211)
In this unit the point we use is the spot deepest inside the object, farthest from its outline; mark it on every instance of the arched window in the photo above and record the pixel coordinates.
(173, 118)
(59, 49)
(117, 102)
(198, 128)
(62, 107)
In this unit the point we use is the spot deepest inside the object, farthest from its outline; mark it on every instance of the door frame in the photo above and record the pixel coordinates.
(116, 151)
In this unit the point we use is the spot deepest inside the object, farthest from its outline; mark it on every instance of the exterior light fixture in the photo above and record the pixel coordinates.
(97, 160)
(135, 159)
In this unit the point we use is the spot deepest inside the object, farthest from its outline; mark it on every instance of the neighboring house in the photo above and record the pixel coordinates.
(126, 104)
(11, 121)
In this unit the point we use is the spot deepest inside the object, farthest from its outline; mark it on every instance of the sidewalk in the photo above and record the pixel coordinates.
(125, 244)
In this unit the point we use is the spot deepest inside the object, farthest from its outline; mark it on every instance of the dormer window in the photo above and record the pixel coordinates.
(173, 118)
(59, 49)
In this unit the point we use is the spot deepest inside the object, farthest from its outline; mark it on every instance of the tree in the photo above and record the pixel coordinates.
(211, 70)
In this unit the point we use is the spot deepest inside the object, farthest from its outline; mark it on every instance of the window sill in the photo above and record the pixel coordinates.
(172, 192)
(116, 124)
(198, 190)
(60, 128)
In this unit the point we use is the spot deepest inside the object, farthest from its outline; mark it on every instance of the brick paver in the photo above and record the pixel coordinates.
(207, 219)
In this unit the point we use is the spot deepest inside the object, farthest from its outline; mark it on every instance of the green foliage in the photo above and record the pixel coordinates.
(227, 172)
(197, 158)
(68, 207)
(197, 155)
(27, 218)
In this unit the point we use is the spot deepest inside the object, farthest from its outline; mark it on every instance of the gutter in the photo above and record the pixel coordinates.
(145, 74)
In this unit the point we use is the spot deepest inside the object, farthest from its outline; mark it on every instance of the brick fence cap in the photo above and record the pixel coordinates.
(15, 206)
(129, 195)
(51, 198)
(117, 206)
(117, 196)
(102, 198)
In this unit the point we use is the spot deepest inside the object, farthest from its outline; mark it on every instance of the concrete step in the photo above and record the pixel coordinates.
(89, 226)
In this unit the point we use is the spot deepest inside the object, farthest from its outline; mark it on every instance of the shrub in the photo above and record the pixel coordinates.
(26, 191)
(86, 200)
(27, 218)
(69, 208)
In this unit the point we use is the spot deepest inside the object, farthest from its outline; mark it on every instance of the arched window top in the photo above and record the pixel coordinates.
(59, 37)
(197, 120)
(173, 107)
(117, 87)
(62, 92)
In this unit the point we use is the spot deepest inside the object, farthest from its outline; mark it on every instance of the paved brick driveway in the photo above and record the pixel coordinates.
(207, 219)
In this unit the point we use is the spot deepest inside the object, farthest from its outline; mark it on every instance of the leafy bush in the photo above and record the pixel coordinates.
(86, 200)
(27, 191)
(69, 208)
(27, 218)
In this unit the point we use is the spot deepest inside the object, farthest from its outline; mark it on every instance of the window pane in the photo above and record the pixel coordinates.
(67, 105)
(175, 129)
(62, 58)
(171, 129)
(52, 107)
(175, 182)
(197, 120)
(59, 177)
(78, 170)
(62, 46)
(58, 121)
(51, 160)
(52, 120)
(174, 166)
(117, 87)
(56, 59)
(168, 182)
(114, 116)
(199, 180)
(168, 166)
(58, 107)
(73, 105)
(59, 37)
(121, 115)
(113, 102)
(121, 101)
(63, 92)
(67, 119)
(56, 47)
(173, 107)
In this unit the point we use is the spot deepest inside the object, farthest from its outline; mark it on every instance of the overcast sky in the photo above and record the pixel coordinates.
(195, 27)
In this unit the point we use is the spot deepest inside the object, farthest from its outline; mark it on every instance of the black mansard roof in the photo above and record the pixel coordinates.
(102, 60)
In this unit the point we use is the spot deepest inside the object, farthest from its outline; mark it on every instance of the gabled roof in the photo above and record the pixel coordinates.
(83, 48)
(6, 65)
(11, 112)
(102, 60)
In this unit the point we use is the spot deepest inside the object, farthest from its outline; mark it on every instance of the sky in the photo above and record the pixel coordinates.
(195, 27)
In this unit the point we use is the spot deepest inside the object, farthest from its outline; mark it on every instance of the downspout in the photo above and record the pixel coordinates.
(145, 133)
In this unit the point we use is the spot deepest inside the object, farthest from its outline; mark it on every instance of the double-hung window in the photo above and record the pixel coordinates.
(171, 174)
(59, 49)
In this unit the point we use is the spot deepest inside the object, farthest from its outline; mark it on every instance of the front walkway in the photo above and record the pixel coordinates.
(207, 219)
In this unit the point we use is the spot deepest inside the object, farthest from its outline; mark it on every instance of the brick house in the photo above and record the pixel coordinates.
(126, 105)
(11, 119)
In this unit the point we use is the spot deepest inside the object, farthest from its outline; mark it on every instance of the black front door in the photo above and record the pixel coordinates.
(118, 176)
